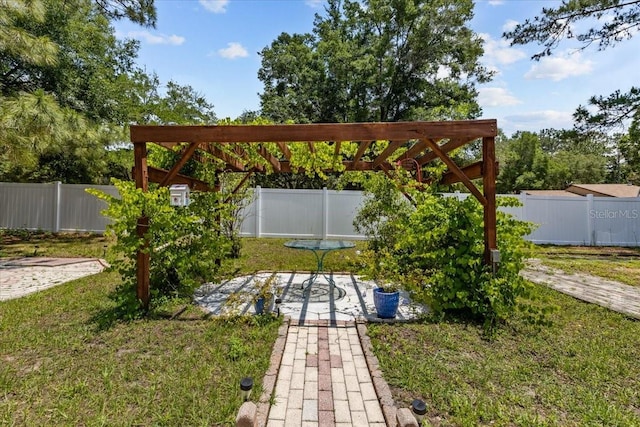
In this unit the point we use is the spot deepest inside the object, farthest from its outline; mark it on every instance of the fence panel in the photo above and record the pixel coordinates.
(341, 211)
(28, 206)
(290, 213)
(561, 220)
(80, 211)
(616, 222)
(249, 217)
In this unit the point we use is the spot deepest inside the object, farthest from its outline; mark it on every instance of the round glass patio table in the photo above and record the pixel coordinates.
(320, 249)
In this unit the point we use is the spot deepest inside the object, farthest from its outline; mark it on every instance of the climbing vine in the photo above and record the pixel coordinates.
(184, 242)
(434, 248)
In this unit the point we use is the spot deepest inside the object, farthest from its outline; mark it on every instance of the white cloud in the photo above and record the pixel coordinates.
(215, 6)
(314, 3)
(559, 68)
(499, 51)
(545, 119)
(509, 25)
(496, 97)
(156, 38)
(496, 2)
(233, 50)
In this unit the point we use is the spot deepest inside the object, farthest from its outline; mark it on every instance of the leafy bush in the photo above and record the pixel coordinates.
(435, 249)
(382, 218)
(441, 254)
(184, 242)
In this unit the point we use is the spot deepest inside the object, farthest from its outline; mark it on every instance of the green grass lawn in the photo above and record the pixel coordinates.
(60, 366)
(26, 244)
(272, 255)
(581, 370)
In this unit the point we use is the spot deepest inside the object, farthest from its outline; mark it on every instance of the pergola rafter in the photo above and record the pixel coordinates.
(424, 142)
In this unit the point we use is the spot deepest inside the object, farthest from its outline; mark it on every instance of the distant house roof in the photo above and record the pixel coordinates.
(605, 190)
(598, 190)
(563, 193)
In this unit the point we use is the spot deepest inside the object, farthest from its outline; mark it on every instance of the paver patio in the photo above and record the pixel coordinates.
(23, 276)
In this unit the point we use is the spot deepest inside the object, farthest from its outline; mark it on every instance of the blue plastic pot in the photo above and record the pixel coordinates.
(386, 303)
(259, 305)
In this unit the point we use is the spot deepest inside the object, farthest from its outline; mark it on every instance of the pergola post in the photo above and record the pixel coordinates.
(142, 258)
(489, 189)
(217, 187)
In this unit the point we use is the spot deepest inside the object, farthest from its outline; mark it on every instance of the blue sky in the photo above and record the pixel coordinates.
(213, 46)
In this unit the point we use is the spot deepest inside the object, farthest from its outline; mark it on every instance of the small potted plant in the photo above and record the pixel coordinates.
(379, 266)
(263, 297)
(386, 298)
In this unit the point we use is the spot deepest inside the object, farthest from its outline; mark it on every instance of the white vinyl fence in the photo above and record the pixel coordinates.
(52, 207)
(320, 214)
(325, 214)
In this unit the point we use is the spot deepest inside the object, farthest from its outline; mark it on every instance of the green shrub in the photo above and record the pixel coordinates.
(441, 255)
(434, 248)
(184, 242)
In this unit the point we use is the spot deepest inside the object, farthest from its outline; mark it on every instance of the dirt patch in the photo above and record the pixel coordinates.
(590, 251)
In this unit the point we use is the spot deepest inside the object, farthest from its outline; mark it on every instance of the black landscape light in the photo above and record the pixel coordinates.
(419, 409)
(246, 384)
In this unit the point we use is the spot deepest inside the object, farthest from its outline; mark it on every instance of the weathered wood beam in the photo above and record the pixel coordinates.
(233, 163)
(336, 151)
(468, 129)
(141, 174)
(158, 175)
(489, 188)
(240, 152)
(285, 150)
(362, 166)
(472, 171)
(453, 167)
(186, 154)
(416, 149)
(393, 146)
(275, 163)
(286, 167)
(362, 147)
(445, 148)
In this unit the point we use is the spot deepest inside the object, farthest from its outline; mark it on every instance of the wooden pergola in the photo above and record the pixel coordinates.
(423, 142)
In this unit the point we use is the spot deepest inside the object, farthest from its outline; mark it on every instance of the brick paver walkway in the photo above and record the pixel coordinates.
(324, 379)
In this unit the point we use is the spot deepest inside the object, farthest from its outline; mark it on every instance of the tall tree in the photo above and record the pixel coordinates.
(16, 42)
(62, 72)
(551, 160)
(524, 165)
(184, 105)
(613, 21)
(142, 12)
(629, 147)
(376, 60)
